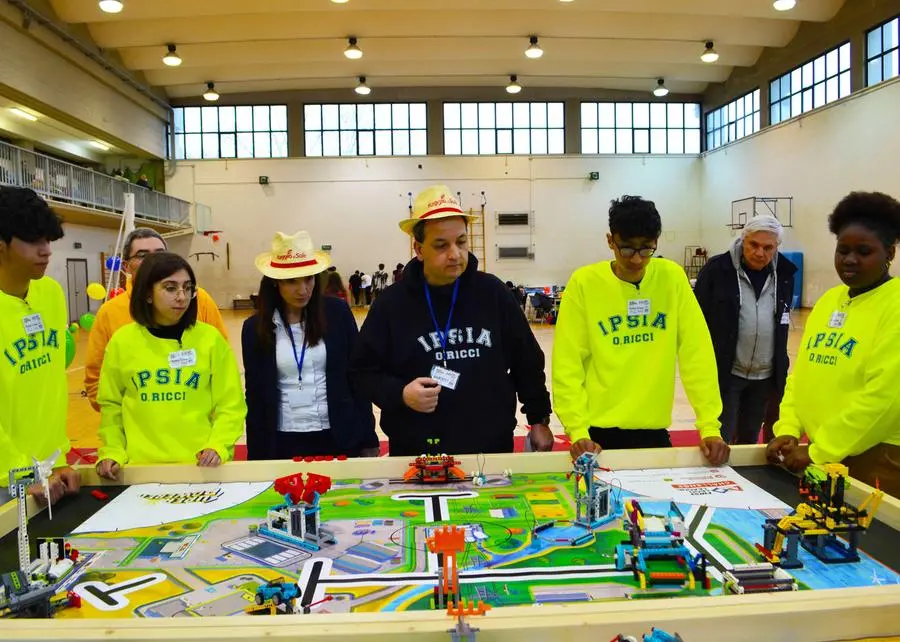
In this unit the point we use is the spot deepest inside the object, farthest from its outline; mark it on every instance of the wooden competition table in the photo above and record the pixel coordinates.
(814, 616)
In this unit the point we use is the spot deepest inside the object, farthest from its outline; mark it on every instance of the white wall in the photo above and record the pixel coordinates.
(94, 240)
(817, 158)
(355, 205)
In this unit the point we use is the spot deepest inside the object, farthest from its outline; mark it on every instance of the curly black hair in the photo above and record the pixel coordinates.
(632, 216)
(874, 210)
(27, 217)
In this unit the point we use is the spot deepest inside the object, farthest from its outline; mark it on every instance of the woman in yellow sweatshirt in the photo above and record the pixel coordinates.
(844, 392)
(170, 390)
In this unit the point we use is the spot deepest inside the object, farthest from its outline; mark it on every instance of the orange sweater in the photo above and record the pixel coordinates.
(115, 313)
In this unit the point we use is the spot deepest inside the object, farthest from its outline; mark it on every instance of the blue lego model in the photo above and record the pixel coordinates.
(278, 591)
(656, 635)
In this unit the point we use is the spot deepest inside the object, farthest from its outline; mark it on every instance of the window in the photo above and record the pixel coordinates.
(381, 129)
(257, 131)
(733, 121)
(504, 128)
(816, 83)
(640, 128)
(881, 52)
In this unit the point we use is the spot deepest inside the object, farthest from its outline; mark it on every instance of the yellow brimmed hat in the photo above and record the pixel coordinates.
(292, 257)
(432, 204)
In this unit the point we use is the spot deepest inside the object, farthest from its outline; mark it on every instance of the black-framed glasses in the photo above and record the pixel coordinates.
(628, 252)
(143, 254)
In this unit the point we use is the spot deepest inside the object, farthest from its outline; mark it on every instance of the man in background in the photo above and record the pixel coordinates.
(379, 281)
(745, 295)
(366, 287)
(115, 313)
(355, 283)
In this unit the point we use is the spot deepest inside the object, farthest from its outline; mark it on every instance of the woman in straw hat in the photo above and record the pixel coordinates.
(296, 350)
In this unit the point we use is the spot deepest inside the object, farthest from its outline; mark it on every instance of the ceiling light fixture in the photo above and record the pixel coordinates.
(513, 87)
(21, 113)
(534, 49)
(101, 146)
(362, 88)
(566, 1)
(339, 1)
(352, 51)
(660, 90)
(111, 6)
(709, 55)
(784, 5)
(172, 59)
(211, 94)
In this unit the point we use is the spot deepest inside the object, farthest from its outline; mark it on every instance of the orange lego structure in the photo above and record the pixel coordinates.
(434, 469)
(446, 543)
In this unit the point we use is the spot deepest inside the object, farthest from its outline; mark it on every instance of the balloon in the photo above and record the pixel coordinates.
(86, 321)
(70, 348)
(96, 291)
(116, 292)
(73, 328)
(113, 263)
(215, 238)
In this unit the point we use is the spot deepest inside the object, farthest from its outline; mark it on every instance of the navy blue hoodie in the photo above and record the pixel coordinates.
(490, 345)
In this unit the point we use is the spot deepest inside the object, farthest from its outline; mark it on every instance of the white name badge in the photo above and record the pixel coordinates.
(183, 358)
(447, 378)
(638, 307)
(786, 318)
(296, 398)
(33, 323)
(837, 319)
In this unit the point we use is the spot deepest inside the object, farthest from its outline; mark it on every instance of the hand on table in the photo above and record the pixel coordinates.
(70, 478)
(715, 450)
(108, 469)
(55, 486)
(582, 446)
(779, 448)
(208, 458)
(541, 438)
(422, 394)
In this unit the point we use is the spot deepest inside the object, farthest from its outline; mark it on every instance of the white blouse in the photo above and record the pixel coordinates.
(304, 403)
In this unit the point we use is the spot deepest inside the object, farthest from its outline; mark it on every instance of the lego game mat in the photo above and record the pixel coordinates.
(195, 549)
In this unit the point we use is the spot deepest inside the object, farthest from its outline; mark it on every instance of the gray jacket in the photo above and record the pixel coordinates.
(756, 328)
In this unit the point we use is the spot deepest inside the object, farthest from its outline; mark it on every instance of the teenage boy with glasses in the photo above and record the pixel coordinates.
(622, 324)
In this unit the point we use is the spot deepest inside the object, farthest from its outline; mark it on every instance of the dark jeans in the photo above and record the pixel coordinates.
(310, 444)
(623, 439)
(744, 403)
(355, 292)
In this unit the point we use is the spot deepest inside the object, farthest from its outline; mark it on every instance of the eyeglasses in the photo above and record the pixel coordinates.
(628, 252)
(172, 291)
(143, 254)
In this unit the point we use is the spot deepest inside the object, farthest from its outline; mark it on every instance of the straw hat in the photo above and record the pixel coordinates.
(292, 257)
(434, 203)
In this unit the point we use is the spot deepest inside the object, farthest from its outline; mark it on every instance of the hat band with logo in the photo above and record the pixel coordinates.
(441, 210)
(295, 264)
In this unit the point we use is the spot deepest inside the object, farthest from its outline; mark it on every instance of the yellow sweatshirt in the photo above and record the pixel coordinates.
(115, 313)
(156, 410)
(844, 392)
(33, 388)
(614, 362)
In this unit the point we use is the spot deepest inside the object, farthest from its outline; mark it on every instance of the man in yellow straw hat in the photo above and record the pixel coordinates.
(445, 352)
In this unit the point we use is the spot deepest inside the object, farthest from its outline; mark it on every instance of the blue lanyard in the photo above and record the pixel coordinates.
(299, 360)
(442, 335)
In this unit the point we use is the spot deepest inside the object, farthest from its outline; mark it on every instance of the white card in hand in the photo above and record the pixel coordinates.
(447, 378)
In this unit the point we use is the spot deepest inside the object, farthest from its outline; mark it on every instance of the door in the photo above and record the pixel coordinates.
(77, 282)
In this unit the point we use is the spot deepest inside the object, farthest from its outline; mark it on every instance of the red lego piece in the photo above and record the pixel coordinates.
(100, 495)
(329, 458)
(73, 555)
(297, 490)
(298, 458)
(309, 459)
(74, 599)
(342, 457)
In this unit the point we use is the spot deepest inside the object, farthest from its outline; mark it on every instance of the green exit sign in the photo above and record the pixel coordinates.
(326, 248)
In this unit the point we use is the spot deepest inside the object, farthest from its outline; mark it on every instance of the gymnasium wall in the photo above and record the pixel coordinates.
(354, 205)
(817, 158)
(94, 240)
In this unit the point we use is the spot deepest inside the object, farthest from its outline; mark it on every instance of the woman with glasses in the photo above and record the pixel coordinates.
(170, 390)
(622, 324)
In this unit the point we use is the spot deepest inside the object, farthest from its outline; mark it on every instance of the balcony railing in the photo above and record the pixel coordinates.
(64, 182)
